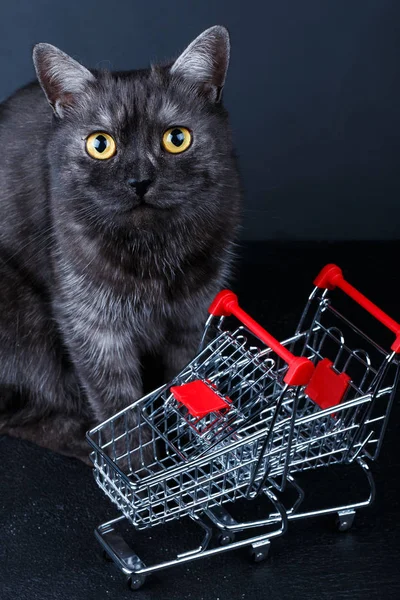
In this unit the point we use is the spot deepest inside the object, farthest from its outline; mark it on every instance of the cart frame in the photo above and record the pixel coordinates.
(292, 409)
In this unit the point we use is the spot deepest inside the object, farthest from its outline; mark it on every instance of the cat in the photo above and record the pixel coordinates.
(120, 205)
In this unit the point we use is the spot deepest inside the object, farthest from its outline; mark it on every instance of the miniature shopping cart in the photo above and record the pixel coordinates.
(241, 420)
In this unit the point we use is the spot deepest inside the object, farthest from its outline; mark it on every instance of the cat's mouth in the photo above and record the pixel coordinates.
(145, 205)
(152, 203)
(125, 209)
(142, 210)
(139, 206)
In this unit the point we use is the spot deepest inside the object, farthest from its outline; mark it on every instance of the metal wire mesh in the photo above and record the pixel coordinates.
(157, 463)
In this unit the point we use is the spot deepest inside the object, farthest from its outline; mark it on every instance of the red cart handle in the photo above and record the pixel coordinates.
(331, 277)
(300, 368)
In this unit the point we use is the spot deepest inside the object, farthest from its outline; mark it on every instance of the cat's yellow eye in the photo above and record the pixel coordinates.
(101, 145)
(176, 139)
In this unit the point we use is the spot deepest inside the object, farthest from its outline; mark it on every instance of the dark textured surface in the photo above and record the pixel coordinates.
(49, 505)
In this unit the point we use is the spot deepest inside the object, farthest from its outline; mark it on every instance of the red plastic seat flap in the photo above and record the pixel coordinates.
(326, 387)
(199, 398)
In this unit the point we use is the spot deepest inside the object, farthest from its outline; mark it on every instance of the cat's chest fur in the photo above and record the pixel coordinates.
(108, 315)
(112, 300)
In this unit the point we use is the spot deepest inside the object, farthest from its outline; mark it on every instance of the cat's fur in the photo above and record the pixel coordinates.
(92, 280)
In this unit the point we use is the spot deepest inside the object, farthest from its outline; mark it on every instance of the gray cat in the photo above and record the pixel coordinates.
(119, 206)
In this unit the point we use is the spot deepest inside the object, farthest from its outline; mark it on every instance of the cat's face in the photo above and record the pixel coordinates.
(136, 149)
(148, 174)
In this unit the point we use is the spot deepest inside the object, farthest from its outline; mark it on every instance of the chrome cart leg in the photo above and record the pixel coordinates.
(206, 540)
(345, 519)
(299, 499)
(226, 537)
(116, 549)
(300, 494)
(220, 517)
(259, 551)
(346, 513)
(136, 571)
(136, 580)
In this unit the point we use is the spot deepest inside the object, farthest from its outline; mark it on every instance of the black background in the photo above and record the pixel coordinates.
(313, 92)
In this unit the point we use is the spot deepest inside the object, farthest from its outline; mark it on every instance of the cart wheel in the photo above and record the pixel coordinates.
(106, 556)
(225, 538)
(259, 553)
(136, 580)
(345, 520)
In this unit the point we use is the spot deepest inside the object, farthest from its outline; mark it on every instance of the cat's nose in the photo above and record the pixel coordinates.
(140, 187)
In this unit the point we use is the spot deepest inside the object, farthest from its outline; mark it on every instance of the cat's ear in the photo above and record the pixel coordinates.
(62, 78)
(205, 61)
